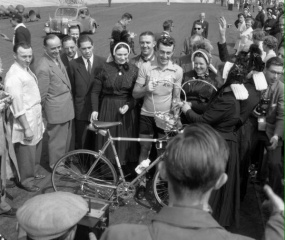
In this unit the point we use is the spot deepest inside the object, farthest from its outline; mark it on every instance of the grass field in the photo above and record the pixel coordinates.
(147, 16)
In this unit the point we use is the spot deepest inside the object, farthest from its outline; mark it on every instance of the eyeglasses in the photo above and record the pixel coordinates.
(276, 73)
(197, 28)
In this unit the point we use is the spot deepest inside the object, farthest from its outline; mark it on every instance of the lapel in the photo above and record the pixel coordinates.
(60, 73)
(83, 71)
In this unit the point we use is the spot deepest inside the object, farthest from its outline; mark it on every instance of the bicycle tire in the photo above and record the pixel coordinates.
(70, 174)
(160, 189)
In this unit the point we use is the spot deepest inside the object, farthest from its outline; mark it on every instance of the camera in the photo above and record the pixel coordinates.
(261, 109)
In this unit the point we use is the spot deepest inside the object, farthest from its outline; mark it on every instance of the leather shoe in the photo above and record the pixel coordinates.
(141, 192)
(32, 188)
(39, 176)
(11, 213)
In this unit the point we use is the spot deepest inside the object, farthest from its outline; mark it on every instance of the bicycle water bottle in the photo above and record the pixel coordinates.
(144, 164)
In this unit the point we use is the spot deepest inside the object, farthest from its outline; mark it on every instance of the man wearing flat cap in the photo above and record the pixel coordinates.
(56, 216)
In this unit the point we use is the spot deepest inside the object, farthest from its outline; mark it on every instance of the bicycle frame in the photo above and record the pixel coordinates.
(111, 140)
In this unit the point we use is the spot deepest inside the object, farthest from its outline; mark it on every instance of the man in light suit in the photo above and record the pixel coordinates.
(205, 26)
(82, 77)
(57, 102)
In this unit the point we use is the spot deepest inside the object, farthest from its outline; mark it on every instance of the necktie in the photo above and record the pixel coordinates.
(89, 66)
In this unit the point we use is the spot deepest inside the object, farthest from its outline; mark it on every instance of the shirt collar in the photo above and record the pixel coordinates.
(170, 66)
(75, 56)
(193, 217)
(85, 60)
(19, 25)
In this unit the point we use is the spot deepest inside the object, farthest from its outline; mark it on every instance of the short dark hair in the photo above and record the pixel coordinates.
(68, 38)
(166, 41)
(48, 37)
(167, 24)
(84, 38)
(198, 23)
(241, 14)
(276, 61)
(196, 158)
(147, 33)
(127, 16)
(73, 27)
(21, 44)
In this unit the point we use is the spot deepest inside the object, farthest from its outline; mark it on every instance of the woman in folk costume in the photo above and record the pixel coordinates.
(114, 84)
(200, 84)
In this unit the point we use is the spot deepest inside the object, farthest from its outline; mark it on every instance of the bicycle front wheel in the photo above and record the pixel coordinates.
(160, 189)
(82, 172)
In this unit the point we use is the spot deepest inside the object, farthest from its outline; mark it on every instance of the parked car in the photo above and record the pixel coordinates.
(71, 15)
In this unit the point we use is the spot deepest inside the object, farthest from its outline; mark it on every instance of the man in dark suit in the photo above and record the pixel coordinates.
(21, 33)
(205, 26)
(70, 52)
(82, 77)
(57, 102)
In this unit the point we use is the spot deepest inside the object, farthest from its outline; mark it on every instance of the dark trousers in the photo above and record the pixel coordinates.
(270, 165)
(59, 138)
(84, 138)
(28, 159)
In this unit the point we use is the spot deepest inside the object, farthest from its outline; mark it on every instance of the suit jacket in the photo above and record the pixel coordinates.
(180, 223)
(22, 34)
(55, 90)
(275, 111)
(205, 26)
(66, 62)
(82, 84)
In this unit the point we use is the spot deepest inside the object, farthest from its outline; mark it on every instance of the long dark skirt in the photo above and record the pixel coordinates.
(109, 112)
(225, 202)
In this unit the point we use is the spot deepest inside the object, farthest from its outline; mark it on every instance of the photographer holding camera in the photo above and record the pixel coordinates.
(270, 124)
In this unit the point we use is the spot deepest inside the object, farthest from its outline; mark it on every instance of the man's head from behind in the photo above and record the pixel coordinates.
(16, 19)
(126, 18)
(168, 25)
(51, 215)
(195, 161)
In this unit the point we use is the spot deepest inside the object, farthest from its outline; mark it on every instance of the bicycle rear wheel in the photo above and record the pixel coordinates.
(83, 173)
(160, 189)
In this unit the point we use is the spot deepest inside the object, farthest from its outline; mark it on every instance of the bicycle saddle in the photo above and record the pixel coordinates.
(105, 125)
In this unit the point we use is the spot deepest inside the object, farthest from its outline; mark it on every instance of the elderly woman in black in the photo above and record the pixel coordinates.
(223, 113)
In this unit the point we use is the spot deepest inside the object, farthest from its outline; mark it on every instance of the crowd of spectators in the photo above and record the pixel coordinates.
(234, 108)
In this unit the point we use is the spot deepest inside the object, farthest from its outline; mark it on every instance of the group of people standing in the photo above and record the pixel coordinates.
(71, 89)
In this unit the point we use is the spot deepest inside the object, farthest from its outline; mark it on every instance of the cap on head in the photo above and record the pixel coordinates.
(51, 215)
(17, 17)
